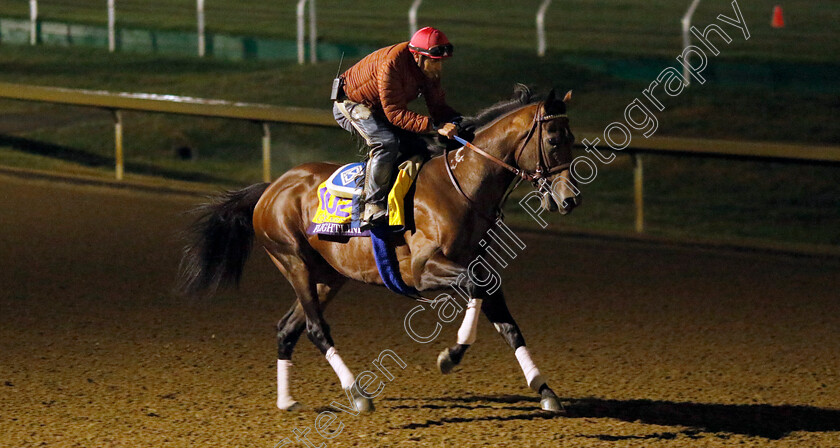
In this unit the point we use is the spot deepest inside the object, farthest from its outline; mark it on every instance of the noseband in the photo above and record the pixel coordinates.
(538, 177)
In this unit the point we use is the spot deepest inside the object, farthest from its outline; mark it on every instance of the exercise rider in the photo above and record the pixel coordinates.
(372, 98)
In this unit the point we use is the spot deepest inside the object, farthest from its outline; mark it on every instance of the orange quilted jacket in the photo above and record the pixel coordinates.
(388, 79)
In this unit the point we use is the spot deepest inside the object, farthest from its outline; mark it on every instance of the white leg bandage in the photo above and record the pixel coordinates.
(284, 398)
(532, 373)
(469, 328)
(344, 374)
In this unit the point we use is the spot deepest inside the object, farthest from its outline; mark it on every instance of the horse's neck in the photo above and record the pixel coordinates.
(483, 180)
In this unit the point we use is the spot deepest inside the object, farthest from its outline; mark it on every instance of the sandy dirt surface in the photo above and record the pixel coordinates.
(650, 345)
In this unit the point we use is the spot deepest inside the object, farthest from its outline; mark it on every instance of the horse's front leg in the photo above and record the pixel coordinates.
(434, 270)
(437, 271)
(452, 356)
(495, 308)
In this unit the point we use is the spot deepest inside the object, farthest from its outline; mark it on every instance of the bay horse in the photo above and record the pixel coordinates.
(521, 138)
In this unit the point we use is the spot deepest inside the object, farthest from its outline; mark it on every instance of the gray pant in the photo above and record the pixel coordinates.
(381, 136)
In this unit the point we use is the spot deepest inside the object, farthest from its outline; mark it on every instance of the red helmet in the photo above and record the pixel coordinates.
(430, 42)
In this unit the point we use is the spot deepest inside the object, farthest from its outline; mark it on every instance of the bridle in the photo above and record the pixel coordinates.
(538, 177)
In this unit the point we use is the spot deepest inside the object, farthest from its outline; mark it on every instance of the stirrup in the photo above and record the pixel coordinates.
(379, 218)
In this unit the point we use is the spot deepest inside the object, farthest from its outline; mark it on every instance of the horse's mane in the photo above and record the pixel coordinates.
(522, 96)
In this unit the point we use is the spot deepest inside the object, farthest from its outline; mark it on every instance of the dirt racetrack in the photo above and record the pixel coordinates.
(650, 345)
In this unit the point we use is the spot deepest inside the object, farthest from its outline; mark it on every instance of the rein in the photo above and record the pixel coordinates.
(537, 177)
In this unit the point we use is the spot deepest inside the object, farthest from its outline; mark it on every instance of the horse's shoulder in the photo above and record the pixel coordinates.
(430, 166)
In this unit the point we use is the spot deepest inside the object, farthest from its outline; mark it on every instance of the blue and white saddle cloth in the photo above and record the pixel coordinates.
(345, 182)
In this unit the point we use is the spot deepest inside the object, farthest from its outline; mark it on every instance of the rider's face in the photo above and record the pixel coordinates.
(432, 68)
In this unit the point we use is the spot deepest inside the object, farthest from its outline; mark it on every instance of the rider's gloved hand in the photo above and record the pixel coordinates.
(448, 130)
(466, 130)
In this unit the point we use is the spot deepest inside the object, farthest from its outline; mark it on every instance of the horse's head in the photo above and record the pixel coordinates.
(532, 140)
(545, 154)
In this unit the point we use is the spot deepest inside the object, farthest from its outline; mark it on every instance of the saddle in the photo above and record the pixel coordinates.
(346, 181)
(339, 201)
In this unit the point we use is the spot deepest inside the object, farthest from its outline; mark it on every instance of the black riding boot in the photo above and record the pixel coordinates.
(377, 184)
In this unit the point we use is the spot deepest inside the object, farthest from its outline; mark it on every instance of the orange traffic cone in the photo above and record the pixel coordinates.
(778, 20)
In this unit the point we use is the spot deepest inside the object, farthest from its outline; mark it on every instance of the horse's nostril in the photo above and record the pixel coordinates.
(569, 203)
(548, 203)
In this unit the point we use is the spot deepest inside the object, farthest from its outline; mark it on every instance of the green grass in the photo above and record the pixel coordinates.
(684, 196)
(633, 27)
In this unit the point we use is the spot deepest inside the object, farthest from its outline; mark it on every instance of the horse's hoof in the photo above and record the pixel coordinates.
(445, 362)
(293, 407)
(551, 404)
(549, 401)
(362, 403)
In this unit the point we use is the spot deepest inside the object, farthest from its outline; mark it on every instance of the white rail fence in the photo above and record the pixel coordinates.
(301, 26)
(686, 26)
(33, 22)
(541, 45)
(112, 24)
(313, 31)
(313, 27)
(202, 41)
(412, 17)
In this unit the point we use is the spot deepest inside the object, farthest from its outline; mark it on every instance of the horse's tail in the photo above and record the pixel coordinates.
(219, 242)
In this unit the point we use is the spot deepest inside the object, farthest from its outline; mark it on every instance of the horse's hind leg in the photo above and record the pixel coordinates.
(307, 284)
(289, 329)
(496, 310)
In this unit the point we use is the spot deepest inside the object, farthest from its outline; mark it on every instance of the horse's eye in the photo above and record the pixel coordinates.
(552, 141)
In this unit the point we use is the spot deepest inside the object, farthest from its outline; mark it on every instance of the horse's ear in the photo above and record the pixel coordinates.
(552, 96)
(567, 97)
(521, 93)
